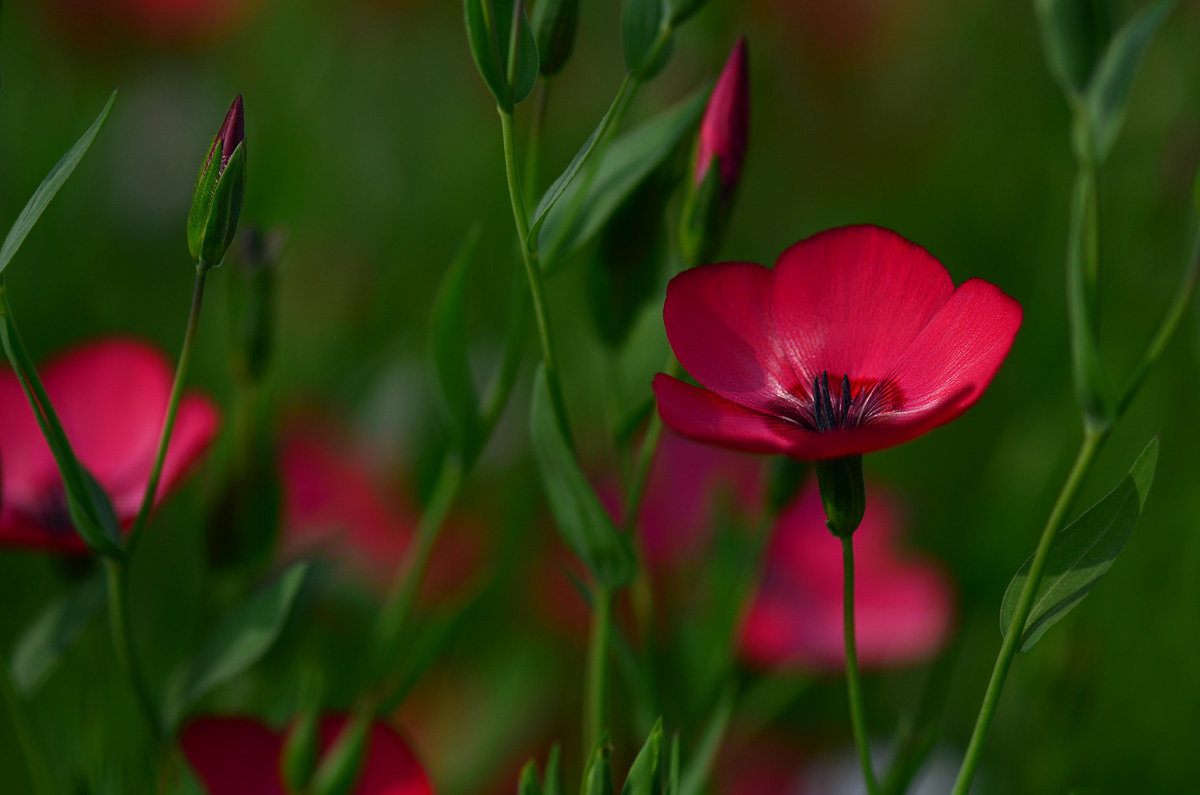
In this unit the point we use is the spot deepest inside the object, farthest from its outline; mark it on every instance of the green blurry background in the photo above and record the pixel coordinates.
(374, 144)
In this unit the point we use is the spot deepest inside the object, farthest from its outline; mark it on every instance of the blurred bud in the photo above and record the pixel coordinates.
(720, 155)
(554, 25)
(253, 303)
(340, 769)
(681, 10)
(220, 188)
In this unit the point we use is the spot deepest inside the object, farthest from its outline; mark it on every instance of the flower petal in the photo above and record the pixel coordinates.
(706, 417)
(233, 756)
(718, 320)
(390, 768)
(850, 300)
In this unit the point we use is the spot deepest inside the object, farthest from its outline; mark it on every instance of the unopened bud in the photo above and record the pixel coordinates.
(554, 26)
(217, 203)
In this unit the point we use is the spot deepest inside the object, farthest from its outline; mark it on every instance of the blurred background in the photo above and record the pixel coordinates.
(373, 146)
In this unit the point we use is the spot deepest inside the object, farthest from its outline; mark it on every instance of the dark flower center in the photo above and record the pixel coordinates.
(827, 405)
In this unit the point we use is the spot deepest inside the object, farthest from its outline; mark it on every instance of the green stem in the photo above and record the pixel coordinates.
(404, 591)
(31, 748)
(185, 357)
(118, 611)
(1092, 441)
(853, 681)
(596, 695)
(533, 147)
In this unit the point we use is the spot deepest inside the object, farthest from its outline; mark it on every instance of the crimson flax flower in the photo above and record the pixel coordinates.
(111, 397)
(855, 341)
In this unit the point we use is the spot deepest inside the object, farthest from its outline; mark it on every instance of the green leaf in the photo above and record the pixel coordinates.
(682, 10)
(643, 773)
(488, 31)
(339, 771)
(581, 519)
(554, 782)
(673, 775)
(700, 765)
(597, 775)
(240, 639)
(56, 629)
(624, 167)
(647, 36)
(451, 364)
(1082, 552)
(50, 186)
(559, 186)
(1108, 91)
(529, 784)
(1074, 33)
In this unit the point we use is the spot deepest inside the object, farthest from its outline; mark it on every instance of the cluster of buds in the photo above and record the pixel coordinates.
(213, 220)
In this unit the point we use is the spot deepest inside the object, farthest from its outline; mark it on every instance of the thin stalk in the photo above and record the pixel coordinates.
(118, 613)
(31, 748)
(533, 146)
(596, 693)
(185, 357)
(1092, 441)
(853, 680)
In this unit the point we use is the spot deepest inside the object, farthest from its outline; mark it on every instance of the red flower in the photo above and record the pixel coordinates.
(111, 397)
(240, 756)
(724, 130)
(857, 340)
(334, 505)
(904, 605)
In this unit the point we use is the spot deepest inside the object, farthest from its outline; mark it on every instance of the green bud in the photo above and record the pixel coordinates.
(843, 493)
(217, 203)
(555, 23)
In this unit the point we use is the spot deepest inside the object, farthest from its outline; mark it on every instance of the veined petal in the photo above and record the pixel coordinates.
(707, 417)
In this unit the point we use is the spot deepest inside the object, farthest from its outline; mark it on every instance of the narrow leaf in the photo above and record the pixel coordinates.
(56, 629)
(239, 640)
(643, 773)
(597, 775)
(50, 186)
(456, 387)
(581, 519)
(646, 36)
(529, 784)
(1082, 553)
(673, 775)
(1108, 91)
(700, 765)
(554, 783)
(1074, 33)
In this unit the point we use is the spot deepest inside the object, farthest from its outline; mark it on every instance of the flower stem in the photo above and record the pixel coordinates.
(1092, 441)
(31, 748)
(118, 611)
(533, 147)
(596, 695)
(185, 356)
(853, 681)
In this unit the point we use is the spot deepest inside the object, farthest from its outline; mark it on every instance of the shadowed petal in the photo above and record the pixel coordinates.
(233, 756)
(701, 415)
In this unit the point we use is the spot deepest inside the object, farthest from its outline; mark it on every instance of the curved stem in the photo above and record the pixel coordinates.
(853, 681)
(31, 748)
(1092, 441)
(596, 695)
(118, 611)
(185, 357)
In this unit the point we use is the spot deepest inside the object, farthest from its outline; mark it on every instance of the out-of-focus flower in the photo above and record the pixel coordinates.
(157, 23)
(240, 756)
(334, 505)
(857, 340)
(725, 127)
(846, 36)
(220, 189)
(904, 604)
(111, 397)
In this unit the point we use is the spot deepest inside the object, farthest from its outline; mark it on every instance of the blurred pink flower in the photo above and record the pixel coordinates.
(904, 604)
(111, 397)
(335, 505)
(240, 756)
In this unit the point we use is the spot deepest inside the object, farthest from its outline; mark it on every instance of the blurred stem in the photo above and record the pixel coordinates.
(533, 146)
(1091, 248)
(408, 582)
(596, 697)
(853, 680)
(31, 748)
(185, 357)
(1092, 441)
(118, 611)
(533, 271)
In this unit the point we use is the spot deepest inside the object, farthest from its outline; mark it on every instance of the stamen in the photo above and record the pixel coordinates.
(845, 398)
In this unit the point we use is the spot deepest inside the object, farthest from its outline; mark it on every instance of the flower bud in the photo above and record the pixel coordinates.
(554, 26)
(843, 493)
(220, 188)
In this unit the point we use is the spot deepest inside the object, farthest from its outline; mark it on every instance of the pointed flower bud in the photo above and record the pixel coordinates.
(213, 220)
(554, 25)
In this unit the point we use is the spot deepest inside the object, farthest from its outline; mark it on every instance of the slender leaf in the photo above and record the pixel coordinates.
(581, 519)
(529, 784)
(700, 765)
(1082, 553)
(56, 629)
(240, 639)
(456, 387)
(50, 186)
(673, 775)
(646, 36)
(643, 773)
(554, 783)
(1074, 34)
(597, 775)
(625, 166)
(1108, 90)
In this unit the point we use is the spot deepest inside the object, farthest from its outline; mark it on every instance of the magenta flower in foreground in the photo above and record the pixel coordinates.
(725, 128)
(857, 340)
(111, 397)
(240, 756)
(904, 604)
